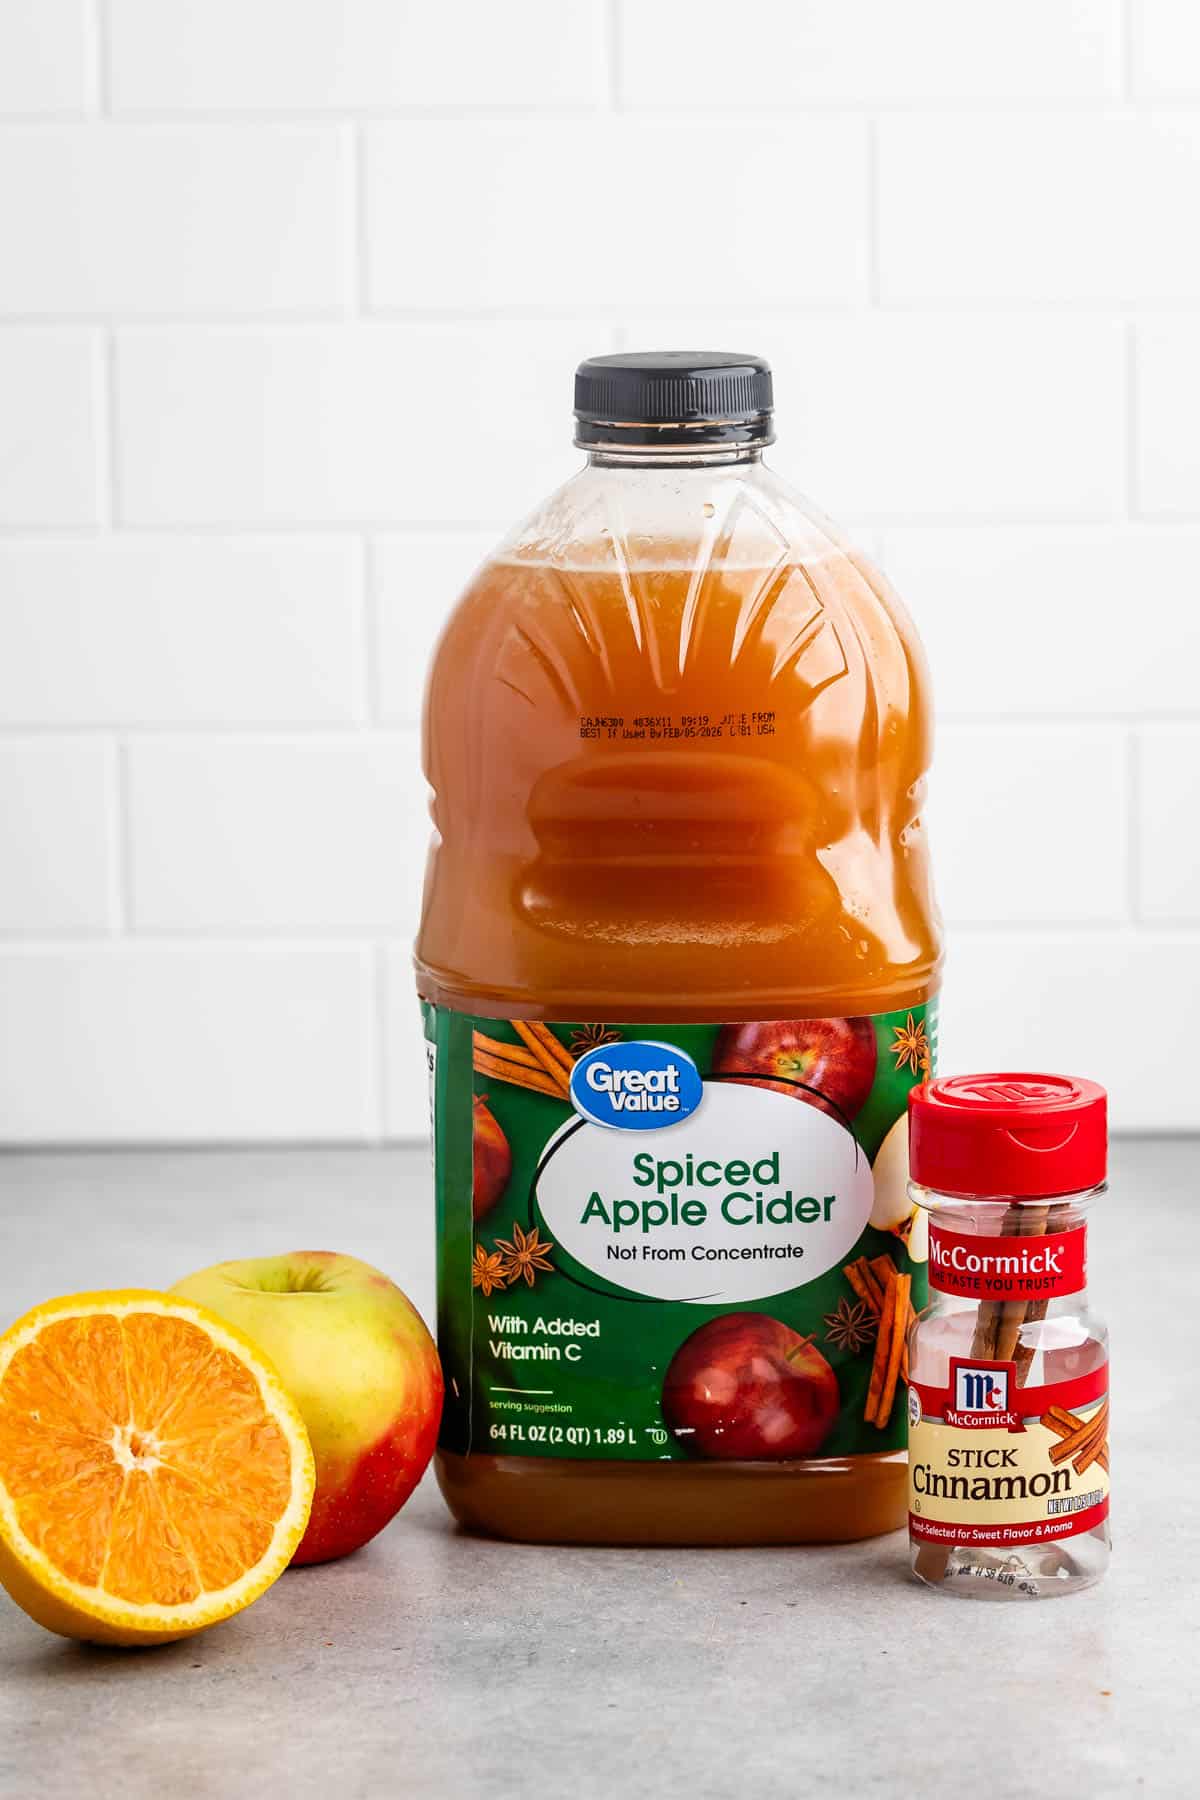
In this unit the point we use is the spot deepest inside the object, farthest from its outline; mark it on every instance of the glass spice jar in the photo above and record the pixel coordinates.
(1008, 1393)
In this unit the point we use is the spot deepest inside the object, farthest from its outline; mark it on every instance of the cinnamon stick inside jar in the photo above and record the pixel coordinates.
(1008, 1396)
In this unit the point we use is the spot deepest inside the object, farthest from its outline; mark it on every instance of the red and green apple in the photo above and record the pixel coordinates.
(357, 1359)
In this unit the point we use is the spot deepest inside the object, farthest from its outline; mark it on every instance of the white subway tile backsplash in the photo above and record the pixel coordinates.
(344, 424)
(49, 428)
(1029, 824)
(914, 416)
(1013, 207)
(416, 581)
(57, 835)
(1054, 621)
(1166, 49)
(577, 213)
(183, 1043)
(952, 416)
(1166, 445)
(127, 630)
(43, 56)
(329, 55)
(101, 218)
(1105, 1004)
(675, 52)
(245, 834)
(1168, 849)
(290, 300)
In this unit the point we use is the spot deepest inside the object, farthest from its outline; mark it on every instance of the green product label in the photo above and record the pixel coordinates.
(675, 1242)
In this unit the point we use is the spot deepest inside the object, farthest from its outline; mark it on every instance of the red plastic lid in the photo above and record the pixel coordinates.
(992, 1136)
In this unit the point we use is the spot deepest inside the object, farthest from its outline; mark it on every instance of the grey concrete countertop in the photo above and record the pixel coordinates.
(436, 1664)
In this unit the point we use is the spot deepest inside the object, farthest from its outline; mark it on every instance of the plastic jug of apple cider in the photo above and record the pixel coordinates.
(678, 961)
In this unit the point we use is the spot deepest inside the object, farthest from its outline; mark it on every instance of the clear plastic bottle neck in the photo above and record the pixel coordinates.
(711, 456)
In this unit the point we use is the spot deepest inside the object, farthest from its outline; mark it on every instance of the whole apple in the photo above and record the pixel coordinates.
(748, 1387)
(355, 1356)
(832, 1060)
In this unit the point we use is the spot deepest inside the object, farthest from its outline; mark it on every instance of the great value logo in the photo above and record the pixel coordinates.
(641, 1086)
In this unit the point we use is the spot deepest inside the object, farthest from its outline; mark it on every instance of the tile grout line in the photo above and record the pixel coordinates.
(102, 434)
(379, 1063)
(96, 28)
(1128, 51)
(847, 308)
(111, 450)
(123, 871)
(113, 833)
(357, 249)
(874, 244)
(703, 113)
(1132, 411)
(253, 733)
(1133, 786)
(287, 938)
(368, 634)
(612, 51)
(290, 531)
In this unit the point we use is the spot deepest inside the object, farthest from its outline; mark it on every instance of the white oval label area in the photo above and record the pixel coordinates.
(755, 1193)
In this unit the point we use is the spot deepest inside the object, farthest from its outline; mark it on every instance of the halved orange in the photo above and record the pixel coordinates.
(155, 1477)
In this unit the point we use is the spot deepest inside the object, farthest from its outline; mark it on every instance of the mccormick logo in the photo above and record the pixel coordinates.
(1007, 1268)
(958, 1256)
(980, 1396)
(980, 1390)
(636, 1087)
(1013, 1093)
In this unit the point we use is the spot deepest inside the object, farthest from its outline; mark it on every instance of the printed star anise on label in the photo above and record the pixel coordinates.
(911, 1048)
(590, 1037)
(488, 1270)
(524, 1253)
(851, 1327)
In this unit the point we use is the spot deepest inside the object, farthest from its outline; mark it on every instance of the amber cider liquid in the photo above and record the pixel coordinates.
(583, 869)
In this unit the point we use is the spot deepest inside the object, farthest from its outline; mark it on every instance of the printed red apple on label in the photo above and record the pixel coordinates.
(836, 1057)
(746, 1386)
(491, 1159)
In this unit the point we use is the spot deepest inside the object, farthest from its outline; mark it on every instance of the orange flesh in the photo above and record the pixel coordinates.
(759, 877)
(140, 1457)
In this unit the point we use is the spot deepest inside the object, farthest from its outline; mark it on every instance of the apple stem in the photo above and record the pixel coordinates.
(791, 1355)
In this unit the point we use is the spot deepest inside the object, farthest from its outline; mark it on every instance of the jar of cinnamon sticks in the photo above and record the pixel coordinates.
(1008, 1365)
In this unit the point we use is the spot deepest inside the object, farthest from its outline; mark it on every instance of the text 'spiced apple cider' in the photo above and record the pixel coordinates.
(679, 960)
